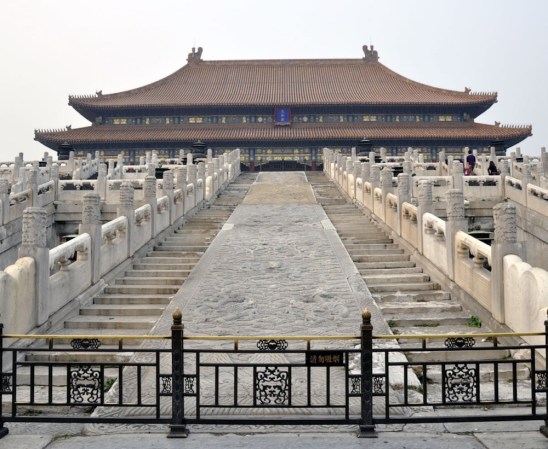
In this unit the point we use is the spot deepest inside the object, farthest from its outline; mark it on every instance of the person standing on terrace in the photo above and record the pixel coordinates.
(471, 162)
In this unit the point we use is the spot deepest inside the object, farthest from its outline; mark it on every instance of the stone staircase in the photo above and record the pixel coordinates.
(133, 302)
(410, 302)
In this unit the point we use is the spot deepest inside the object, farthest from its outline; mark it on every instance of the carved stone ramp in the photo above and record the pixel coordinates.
(276, 268)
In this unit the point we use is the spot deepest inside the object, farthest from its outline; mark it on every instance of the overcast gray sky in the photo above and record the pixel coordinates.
(53, 48)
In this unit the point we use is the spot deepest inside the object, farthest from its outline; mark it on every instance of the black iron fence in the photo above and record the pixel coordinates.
(360, 380)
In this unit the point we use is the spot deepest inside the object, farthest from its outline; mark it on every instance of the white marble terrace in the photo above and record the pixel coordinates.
(38, 281)
(434, 209)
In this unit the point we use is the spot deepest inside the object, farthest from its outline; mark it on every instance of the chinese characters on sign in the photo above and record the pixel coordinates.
(323, 358)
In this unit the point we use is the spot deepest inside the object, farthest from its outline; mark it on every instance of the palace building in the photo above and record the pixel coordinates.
(282, 112)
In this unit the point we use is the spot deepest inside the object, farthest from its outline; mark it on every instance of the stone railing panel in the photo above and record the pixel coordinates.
(74, 190)
(162, 214)
(472, 260)
(378, 207)
(525, 299)
(19, 202)
(513, 190)
(142, 229)
(434, 244)
(440, 185)
(46, 193)
(537, 199)
(409, 227)
(482, 188)
(70, 271)
(114, 245)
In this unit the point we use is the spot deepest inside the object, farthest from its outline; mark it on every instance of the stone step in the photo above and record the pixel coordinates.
(395, 279)
(190, 255)
(160, 272)
(127, 310)
(356, 250)
(187, 239)
(426, 321)
(389, 271)
(430, 307)
(142, 289)
(132, 299)
(419, 286)
(111, 322)
(149, 281)
(456, 355)
(421, 296)
(381, 258)
(163, 266)
(385, 265)
(366, 239)
(182, 248)
(190, 247)
(356, 244)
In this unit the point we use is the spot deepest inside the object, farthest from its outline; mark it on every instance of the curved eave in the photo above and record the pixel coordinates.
(159, 134)
(90, 112)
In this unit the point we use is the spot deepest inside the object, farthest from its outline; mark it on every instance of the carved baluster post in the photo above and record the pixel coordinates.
(357, 171)
(102, 181)
(191, 173)
(386, 187)
(544, 428)
(177, 428)
(150, 198)
(180, 183)
(367, 428)
(526, 179)
(349, 169)
(202, 177)
(17, 164)
(34, 244)
(375, 182)
(408, 169)
(127, 209)
(91, 224)
(55, 179)
(5, 200)
(403, 197)
(504, 243)
(426, 205)
(168, 191)
(456, 221)
(458, 176)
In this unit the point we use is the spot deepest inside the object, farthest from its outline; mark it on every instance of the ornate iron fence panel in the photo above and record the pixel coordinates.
(271, 384)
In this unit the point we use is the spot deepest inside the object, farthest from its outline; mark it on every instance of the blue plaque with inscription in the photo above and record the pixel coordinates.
(283, 116)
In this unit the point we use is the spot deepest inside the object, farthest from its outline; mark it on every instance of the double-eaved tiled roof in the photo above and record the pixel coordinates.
(281, 83)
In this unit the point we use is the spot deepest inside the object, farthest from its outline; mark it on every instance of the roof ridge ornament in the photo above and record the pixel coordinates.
(370, 55)
(195, 56)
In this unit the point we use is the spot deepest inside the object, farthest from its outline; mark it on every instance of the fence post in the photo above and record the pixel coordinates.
(3, 430)
(178, 423)
(544, 429)
(367, 428)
